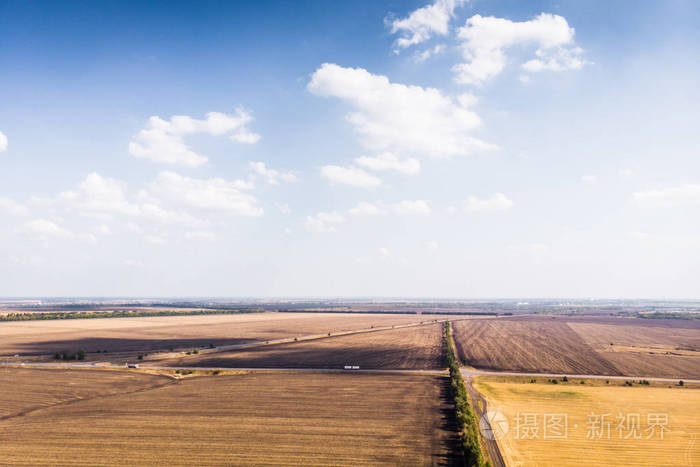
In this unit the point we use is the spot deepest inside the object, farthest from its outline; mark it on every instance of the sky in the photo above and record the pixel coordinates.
(446, 149)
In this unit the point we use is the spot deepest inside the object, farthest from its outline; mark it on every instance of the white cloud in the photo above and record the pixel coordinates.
(411, 207)
(162, 140)
(324, 221)
(497, 202)
(402, 119)
(44, 228)
(132, 227)
(349, 176)
(3, 142)
(284, 208)
(273, 177)
(669, 197)
(364, 208)
(389, 161)
(212, 194)
(485, 40)
(200, 235)
(431, 245)
(154, 239)
(427, 53)
(11, 206)
(403, 208)
(99, 194)
(589, 179)
(425, 22)
(134, 263)
(47, 228)
(384, 252)
(102, 229)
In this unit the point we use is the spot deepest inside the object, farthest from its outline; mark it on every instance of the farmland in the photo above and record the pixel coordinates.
(418, 347)
(253, 419)
(162, 333)
(622, 444)
(538, 345)
(607, 346)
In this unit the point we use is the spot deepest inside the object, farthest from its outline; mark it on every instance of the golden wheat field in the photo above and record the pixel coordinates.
(247, 419)
(595, 423)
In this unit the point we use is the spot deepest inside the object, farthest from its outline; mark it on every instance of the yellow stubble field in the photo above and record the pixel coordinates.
(595, 423)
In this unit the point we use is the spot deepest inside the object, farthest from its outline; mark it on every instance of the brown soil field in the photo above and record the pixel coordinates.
(663, 348)
(418, 347)
(537, 345)
(23, 391)
(162, 333)
(250, 419)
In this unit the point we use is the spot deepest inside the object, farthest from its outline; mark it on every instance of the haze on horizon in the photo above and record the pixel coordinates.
(445, 148)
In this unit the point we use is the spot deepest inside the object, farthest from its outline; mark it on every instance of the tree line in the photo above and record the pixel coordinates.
(466, 418)
(119, 314)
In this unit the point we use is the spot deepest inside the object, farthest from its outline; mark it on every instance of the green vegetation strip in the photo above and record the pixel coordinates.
(466, 418)
(120, 314)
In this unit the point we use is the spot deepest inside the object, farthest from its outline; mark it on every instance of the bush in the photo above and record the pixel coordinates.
(565, 379)
(81, 354)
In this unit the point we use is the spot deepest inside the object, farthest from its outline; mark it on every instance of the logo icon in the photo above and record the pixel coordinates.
(493, 425)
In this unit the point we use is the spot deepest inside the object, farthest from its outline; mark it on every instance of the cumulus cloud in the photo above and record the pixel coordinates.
(392, 117)
(389, 161)
(100, 194)
(411, 207)
(497, 202)
(46, 227)
(427, 53)
(273, 177)
(212, 194)
(424, 22)
(589, 178)
(3, 142)
(365, 208)
(349, 176)
(324, 221)
(486, 39)
(11, 206)
(404, 208)
(688, 194)
(162, 140)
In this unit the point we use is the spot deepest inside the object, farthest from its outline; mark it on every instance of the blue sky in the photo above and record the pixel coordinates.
(446, 149)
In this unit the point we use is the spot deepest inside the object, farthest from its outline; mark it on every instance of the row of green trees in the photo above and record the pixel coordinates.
(120, 314)
(466, 418)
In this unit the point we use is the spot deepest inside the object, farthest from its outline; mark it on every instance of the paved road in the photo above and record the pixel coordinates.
(98, 366)
(466, 372)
